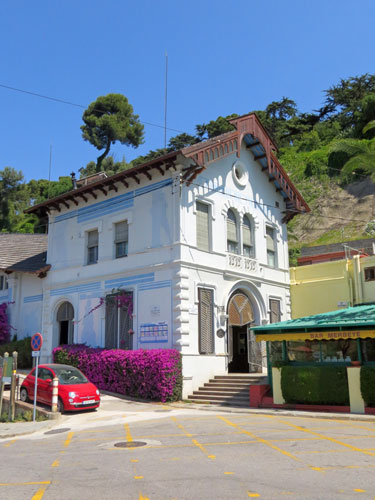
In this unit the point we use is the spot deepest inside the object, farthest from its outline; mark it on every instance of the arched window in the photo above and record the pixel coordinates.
(232, 233)
(247, 238)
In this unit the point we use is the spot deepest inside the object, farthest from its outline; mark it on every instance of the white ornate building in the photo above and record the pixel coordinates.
(197, 239)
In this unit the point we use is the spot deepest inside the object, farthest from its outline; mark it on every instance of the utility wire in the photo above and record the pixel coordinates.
(248, 200)
(62, 101)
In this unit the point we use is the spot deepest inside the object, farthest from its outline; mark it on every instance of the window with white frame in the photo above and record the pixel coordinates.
(3, 283)
(232, 232)
(271, 246)
(247, 237)
(121, 239)
(203, 226)
(92, 246)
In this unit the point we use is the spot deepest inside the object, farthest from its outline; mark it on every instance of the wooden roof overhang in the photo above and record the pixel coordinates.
(104, 185)
(249, 129)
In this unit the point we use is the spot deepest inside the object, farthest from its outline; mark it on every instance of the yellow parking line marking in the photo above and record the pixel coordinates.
(359, 491)
(135, 460)
(39, 494)
(228, 473)
(10, 442)
(194, 441)
(141, 497)
(332, 440)
(56, 463)
(250, 494)
(129, 438)
(259, 439)
(68, 439)
(138, 477)
(28, 483)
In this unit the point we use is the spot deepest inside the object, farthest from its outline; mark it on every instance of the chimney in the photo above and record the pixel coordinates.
(74, 180)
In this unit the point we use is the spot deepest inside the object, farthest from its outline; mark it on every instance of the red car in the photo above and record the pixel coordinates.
(75, 391)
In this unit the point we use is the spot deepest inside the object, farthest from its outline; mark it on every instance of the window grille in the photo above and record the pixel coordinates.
(206, 321)
(202, 220)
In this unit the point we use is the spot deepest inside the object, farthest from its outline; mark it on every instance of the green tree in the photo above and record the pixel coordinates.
(13, 199)
(214, 127)
(343, 101)
(109, 166)
(359, 156)
(109, 119)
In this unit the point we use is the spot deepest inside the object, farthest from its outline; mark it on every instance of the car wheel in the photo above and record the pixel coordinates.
(24, 397)
(60, 406)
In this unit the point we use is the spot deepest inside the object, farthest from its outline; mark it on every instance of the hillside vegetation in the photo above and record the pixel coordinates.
(328, 153)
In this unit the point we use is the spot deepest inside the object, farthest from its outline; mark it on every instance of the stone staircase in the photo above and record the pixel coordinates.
(229, 390)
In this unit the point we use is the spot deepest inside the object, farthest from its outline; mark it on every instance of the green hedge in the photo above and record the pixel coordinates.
(23, 347)
(368, 384)
(315, 385)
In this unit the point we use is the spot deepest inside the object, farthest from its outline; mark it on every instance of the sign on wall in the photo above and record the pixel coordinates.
(151, 333)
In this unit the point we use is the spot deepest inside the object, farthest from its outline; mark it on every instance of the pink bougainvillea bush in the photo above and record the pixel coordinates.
(154, 374)
(4, 324)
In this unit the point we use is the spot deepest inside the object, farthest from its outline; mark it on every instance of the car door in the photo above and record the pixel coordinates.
(44, 380)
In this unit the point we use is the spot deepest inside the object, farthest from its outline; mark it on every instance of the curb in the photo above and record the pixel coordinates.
(266, 411)
(49, 424)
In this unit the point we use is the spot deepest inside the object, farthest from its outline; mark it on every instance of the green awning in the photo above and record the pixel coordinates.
(352, 322)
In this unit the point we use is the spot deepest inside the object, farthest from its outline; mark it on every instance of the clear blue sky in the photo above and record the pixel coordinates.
(224, 57)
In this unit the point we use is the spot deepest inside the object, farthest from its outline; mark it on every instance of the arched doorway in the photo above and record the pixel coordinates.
(65, 315)
(242, 357)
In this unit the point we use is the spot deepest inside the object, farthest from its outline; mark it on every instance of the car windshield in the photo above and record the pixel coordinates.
(69, 375)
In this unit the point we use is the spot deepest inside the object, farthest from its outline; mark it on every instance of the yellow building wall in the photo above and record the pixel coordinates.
(368, 287)
(319, 288)
(329, 286)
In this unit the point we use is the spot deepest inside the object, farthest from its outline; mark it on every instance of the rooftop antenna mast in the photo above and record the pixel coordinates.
(49, 170)
(165, 99)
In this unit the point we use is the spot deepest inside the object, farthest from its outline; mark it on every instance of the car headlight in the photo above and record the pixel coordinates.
(72, 395)
(97, 392)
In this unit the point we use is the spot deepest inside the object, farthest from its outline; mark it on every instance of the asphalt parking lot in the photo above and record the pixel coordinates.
(158, 452)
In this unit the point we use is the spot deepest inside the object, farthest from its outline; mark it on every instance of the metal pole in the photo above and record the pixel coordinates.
(5, 365)
(165, 100)
(12, 399)
(36, 386)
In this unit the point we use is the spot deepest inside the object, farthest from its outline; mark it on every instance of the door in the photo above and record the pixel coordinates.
(239, 363)
(44, 386)
(240, 313)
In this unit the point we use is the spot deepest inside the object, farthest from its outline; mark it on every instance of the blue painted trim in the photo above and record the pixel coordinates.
(153, 187)
(115, 204)
(153, 341)
(33, 298)
(155, 285)
(77, 288)
(130, 280)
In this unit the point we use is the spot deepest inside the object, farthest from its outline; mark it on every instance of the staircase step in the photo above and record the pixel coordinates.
(221, 397)
(226, 394)
(225, 388)
(223, 402)
(224, 383)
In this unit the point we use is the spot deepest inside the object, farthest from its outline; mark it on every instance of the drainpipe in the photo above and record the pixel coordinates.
(350, 283)
(357, 279)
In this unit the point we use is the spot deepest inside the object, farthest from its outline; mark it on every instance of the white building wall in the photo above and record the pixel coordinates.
(164, 268)
(24, 297)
